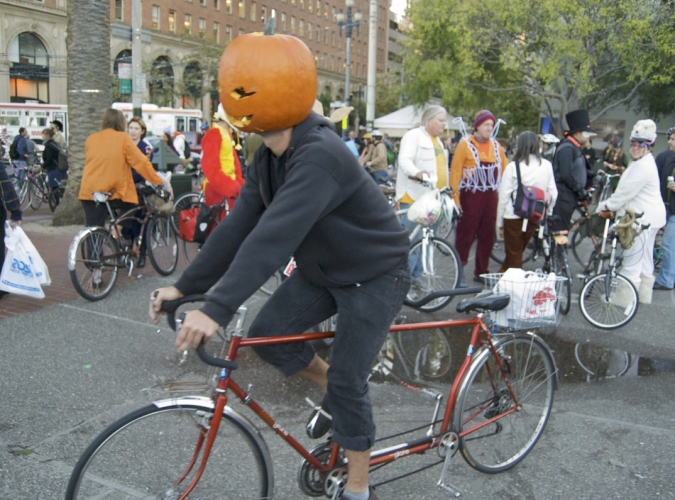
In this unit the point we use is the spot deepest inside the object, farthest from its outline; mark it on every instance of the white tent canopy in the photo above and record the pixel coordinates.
(399, 122)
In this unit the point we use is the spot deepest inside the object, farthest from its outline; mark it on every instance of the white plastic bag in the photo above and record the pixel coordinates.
(18, 275)
(39, 266)
(533, 299)
(426, 209)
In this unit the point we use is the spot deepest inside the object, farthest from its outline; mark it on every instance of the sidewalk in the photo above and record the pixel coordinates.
(53, 243)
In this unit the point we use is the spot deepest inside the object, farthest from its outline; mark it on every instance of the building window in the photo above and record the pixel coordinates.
(310, 33)
(263, 14)
(172, 21)
(29, 75)
(119, 10)
(202, 3)
(242, 9)
(292, 25)
(155, 17)
(188, 24)
(325, 12)
(301, 27)
(325, 36)
(216, 31)
(202, 27)
(241, 32)
(283, 22)
(216, 4)
(332, 38)
(318, 7)
(293, 3)
(318, 33)
(310, 7)
(188, 1)
(302, 4)
(252, 13)
(228, 6)
(228, 33)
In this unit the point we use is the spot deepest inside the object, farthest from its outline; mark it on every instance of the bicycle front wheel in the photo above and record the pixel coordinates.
(55, 198)
(608, 302)
(439, 267)
(92, 262)
(162, 244)
(35, 195)
(150, 452)
(273, 282)
(561, 267)
(427, 351)
(512, 389)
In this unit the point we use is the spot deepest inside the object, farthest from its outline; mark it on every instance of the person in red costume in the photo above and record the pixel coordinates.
(220, 164)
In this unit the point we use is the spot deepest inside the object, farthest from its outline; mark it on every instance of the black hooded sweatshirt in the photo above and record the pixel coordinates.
(314, 202)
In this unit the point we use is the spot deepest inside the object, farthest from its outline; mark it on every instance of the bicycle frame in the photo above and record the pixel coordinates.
(480, 340)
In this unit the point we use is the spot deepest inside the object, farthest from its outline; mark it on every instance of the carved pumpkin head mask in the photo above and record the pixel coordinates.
(267, 82)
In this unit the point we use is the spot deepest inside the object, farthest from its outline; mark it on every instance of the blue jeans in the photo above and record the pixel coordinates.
(667, 274)
(365, 313)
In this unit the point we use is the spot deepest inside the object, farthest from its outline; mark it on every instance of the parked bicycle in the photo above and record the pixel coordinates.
(98, 253)
(434, 262)
(201, 447)
(608, 300)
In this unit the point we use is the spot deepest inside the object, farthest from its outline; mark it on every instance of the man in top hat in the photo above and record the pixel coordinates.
(569, 167)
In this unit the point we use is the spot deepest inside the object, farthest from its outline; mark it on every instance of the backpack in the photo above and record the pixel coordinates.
(531, 202)
(61, 159)
(13, 148)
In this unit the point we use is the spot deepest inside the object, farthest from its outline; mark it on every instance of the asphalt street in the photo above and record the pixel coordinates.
(70, 369)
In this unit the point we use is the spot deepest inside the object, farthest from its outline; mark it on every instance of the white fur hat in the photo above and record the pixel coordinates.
(644, 131)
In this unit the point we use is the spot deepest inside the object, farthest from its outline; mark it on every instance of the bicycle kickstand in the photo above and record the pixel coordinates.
(450, 443)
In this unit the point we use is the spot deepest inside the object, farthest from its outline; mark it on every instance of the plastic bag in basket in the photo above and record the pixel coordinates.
(533, 298)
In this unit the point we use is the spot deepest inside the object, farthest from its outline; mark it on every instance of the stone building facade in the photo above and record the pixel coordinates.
(181, 40)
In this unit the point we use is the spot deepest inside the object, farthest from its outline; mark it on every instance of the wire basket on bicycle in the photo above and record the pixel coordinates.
(535, 298)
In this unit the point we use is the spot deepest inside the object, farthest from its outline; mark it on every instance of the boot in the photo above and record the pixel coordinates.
(645, 289)
(623, 296)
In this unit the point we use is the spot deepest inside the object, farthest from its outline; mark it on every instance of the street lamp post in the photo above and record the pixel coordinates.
(348, 22)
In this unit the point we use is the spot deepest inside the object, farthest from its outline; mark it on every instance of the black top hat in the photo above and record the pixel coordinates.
(578, 120)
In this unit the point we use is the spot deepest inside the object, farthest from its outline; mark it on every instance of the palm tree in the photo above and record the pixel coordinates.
(89, 91)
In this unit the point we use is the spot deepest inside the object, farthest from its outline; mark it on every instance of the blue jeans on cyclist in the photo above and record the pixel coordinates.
(365, 313)
(666, 277)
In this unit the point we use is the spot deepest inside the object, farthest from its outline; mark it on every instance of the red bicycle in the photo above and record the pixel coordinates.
(200, 447)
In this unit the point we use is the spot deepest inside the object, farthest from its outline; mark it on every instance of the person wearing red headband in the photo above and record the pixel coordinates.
(475, 175)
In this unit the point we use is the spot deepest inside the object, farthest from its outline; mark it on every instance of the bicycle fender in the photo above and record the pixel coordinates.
(72, 251)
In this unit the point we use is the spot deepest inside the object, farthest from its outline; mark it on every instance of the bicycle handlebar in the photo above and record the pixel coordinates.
(171, 306)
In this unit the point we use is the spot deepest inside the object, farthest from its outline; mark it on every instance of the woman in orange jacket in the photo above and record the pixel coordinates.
(110, 155)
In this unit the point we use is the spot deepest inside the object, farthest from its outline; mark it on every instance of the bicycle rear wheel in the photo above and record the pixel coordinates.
(184, 201)
(191, 250)
(92, 262)
(162, 244)
(147, 453)
(427, 351)
(517, 411)
(608, 302)
(583, 247)
(440, 269)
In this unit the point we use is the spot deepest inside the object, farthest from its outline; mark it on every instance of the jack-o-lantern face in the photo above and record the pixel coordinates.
(267, 82)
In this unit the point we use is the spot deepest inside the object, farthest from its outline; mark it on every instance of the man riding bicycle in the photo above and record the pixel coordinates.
(305, 195)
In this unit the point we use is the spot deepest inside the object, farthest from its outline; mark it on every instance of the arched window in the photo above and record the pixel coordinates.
(161, 82)
(29, 70)
(124, 57)
(193, 79)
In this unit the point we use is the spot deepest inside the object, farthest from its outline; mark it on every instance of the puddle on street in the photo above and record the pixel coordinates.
(577, 363)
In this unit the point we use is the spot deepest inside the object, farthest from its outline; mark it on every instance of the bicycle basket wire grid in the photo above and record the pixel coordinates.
(534, 298)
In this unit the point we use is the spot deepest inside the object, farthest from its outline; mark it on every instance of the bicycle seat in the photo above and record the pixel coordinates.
(485, 301)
